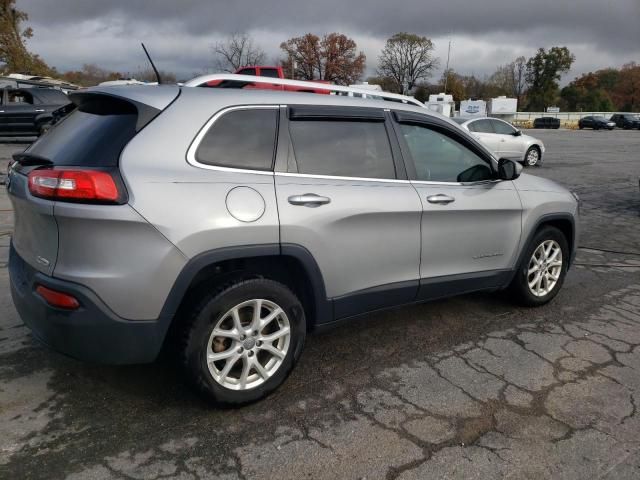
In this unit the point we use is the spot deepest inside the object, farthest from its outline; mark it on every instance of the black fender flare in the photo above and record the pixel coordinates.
(322, 306)
(545, 219)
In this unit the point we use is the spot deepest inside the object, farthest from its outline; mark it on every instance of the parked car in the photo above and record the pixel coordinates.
(595, 122)
(292, 211)
(626, 120)
(546, 122)
(31, 111)
(504, 140)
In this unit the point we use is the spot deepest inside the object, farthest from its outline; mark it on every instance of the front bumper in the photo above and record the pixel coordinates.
(92, 332)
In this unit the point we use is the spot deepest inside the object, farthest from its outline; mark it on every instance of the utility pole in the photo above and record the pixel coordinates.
(446, 70)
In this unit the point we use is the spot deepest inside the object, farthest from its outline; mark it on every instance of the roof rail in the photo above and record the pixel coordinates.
(240, 81)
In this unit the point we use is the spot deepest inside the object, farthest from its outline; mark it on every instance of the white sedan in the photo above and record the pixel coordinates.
(504, 140)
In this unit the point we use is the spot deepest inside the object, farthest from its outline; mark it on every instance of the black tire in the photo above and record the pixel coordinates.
(580, 127)
(519, 286)
(213, 307)
(526, 157)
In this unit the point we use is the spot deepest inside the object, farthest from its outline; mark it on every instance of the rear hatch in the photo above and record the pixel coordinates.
(83, 147)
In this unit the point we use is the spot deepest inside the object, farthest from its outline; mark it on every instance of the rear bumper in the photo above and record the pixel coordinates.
(92, 332)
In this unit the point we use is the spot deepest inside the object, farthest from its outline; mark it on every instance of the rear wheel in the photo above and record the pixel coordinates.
(243, 341)
(543, 268)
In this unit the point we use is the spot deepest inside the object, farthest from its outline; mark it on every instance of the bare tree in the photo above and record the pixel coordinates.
(407, 58)
(519, 77)
(238, 50)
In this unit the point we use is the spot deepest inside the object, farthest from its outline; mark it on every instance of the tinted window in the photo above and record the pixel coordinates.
(247, 71)
(502, 127)
(440, 158)
(341, 148)
(52, 97)
(241, 139)
(87, 139)
(481, 126)
(20, 96)
(269, 72)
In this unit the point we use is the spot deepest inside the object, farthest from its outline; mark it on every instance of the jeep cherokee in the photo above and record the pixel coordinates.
(230, 223)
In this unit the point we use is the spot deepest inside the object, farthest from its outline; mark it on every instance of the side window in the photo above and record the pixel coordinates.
(439, 158)
(18, 96)
(241, 139)
(482, 126)
(247, 71)
(342, 148)
(269, 72)
(502, 128)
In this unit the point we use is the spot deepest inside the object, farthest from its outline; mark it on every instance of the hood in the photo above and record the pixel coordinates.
(528, 182)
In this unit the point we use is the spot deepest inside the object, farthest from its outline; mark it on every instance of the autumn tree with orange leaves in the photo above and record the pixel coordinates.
(334, 58)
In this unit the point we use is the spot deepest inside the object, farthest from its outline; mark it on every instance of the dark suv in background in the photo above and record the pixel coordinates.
(626, 120)
(31, 111)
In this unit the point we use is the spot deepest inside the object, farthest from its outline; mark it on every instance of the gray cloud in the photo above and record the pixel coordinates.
(485, 33)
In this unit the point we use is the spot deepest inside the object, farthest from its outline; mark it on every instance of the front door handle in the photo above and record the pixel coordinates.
(308, 200)
(39, 110)
(440, 199)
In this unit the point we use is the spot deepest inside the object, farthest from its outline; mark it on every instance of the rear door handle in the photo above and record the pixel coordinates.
(440, 199)
(39, 110)
(308, 200)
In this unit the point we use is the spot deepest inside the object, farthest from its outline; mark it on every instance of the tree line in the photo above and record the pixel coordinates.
(406, 64)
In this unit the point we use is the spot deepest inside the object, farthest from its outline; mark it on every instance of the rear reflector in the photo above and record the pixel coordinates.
(57, 299)
(73, 185)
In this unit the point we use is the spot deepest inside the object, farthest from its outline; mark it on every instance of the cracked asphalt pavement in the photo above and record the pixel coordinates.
(469, 387)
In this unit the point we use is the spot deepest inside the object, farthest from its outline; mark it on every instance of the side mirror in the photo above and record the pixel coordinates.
(517, 133)
(508, 169)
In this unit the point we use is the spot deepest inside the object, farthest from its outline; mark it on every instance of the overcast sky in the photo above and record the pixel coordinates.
(179, 33)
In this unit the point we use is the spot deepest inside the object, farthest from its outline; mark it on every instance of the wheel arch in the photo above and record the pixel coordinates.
(565, 222)
(290, 264)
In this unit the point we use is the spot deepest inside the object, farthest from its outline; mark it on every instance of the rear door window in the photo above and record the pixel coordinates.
(241, 139)
(342, 148)
(481, 126)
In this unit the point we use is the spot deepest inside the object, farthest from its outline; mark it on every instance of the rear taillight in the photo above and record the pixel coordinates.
(78, 185)
(58, 299)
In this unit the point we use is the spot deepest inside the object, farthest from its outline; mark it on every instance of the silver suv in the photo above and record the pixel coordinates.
(233, 222)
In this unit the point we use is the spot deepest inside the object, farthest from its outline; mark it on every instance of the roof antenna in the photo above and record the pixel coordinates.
(152, 64)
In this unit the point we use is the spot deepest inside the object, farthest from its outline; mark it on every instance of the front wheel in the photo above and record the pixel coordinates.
(543, 268)
(532, 157)
(243, 341)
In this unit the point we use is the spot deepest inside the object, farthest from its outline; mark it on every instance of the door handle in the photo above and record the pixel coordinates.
(309, 200)
(440, 199)
(39, 110)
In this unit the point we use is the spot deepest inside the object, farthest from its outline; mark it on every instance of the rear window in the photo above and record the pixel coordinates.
(92, 135)
(342, 148)
(241, 139)
(269, 72)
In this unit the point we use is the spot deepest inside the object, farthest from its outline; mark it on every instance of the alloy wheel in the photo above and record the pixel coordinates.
(545, 267)
(248, 344)
(532, 157)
